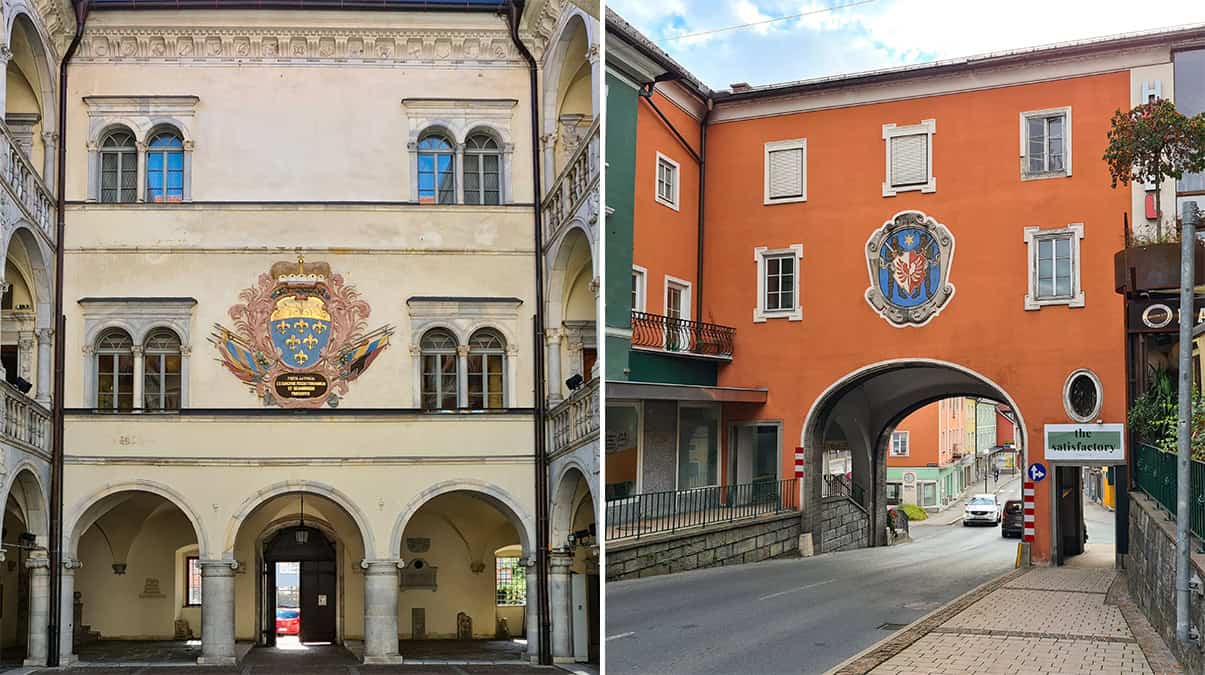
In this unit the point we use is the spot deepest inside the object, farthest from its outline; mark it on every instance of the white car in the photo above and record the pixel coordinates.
(983, 508)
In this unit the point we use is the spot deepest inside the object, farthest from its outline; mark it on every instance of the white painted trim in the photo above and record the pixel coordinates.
(890, 131)
(1032, 235)
(687, 295)
(677, 182)
(642, 302)
(760, 313)
(1024, 140)
(771, 146)
(1100, 396)
(907, 444)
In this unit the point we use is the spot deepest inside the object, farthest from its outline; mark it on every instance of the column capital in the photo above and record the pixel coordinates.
(381, 567)
(44, 335)
(559, 562)
(5, 54)
(462, 350)
(50, 138)
(185, 350)
(38, 562)
(140, 146)
(218, 568)
(137, 350)
(70, 565)
(553, 335)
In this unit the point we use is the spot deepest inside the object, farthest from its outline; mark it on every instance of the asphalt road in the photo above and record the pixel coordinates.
(794, 616)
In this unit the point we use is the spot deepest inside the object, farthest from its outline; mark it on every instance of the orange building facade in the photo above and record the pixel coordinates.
(880, 242)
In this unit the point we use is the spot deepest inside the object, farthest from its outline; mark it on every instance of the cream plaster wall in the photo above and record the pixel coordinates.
(1164, 74)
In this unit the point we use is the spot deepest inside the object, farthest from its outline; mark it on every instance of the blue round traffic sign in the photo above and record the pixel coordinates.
(1036, 472)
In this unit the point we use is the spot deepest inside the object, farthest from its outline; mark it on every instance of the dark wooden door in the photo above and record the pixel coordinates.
(268, 586)
(318, 601)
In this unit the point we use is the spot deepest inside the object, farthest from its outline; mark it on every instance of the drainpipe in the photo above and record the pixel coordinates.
(56, 405)
(1185, 631)
(514, 11)
(702, 201)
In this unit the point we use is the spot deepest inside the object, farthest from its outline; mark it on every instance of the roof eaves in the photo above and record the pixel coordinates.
(617, 26)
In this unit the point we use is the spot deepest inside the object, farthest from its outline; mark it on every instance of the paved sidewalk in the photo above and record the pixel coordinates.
(1041, 620)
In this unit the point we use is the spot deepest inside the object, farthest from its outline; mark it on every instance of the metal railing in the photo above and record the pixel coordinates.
(640, 515)
(1155, 472)
(654, 331)
(838, 485)
(574, 421)
(573, 186)
(25, 183)
(26, 422)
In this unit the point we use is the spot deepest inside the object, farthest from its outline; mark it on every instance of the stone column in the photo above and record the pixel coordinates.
(189, 146)
(3, 289)
(94, 172)
(67, 614)
(412, 149)
(416, 365)
(548, 142)
(462, 376)
(39, 608)
(139, 373)
(380, 611)
(44, 363)
(217, 613)
(25, 354)
(507, 169)
(5, 55)
(458, 168)
(50, 143)
(185, 353)
(593, 55)
(560, 606)
(552, 338)
(89, 371)
(141, 147)
(533, 609)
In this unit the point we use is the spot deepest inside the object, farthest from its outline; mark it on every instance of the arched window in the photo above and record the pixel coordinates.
(482, 171)
(115, 371)
(436, 170)
(118, 168)
(165, 167)
(439, 390)
(161, 371)
(487, 361)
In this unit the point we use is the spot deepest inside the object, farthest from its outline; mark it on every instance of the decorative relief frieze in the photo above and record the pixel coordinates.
(292, 45)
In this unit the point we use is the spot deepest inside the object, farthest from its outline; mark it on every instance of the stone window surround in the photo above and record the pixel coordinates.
(760, 254)
(890, 131)
(458, 119)
(462, 317)
(1026, 174)
(1100, 396)
(1032, 234)
(143, 116)
(139, 317)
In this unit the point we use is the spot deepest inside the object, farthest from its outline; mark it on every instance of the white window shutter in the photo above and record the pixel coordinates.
(910, 159)
(786, 173)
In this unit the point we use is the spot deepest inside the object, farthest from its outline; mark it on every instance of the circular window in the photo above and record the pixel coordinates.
(909, 477)
(1082, 396)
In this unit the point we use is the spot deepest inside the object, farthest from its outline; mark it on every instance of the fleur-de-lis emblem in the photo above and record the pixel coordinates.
(301, 324)
(300, 357)
(310, 341)
(292, 342)
(282, 327)
(320, 328)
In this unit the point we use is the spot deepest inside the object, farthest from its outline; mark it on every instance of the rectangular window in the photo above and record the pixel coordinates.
(780, 283)
(165, 176)
(899, 444)
(785, 171)
(667, 181)
(1189, 87)
(909, 157)
(192, 573)
(1054, 266)
(928, 494)
(510, 582)
(638, 289)
(1046, 143)
(778, 273)
(698, 446)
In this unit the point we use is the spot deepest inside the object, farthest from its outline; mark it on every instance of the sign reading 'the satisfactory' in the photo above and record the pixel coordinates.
(1103, 443)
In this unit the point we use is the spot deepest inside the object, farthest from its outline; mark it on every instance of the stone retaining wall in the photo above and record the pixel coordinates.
(845, 525)
(714, 546)
(1151, 576)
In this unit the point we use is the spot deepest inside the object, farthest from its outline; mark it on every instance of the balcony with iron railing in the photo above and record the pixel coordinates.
(574, 422)
(575, 184)
(25, 185)
(26, 423)
(655, 332)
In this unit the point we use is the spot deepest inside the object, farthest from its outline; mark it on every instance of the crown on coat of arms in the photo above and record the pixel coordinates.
(301, 272)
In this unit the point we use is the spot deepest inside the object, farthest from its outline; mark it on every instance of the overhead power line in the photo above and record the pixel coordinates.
(768, 21)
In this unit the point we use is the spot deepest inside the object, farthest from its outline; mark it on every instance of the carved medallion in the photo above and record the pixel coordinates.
(909, 260)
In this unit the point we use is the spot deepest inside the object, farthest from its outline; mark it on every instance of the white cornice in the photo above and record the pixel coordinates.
(297, 46)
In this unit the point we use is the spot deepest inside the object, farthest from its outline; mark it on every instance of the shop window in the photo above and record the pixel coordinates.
(622, 448)
(698, 446)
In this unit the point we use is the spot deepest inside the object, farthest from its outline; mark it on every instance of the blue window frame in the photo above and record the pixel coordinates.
(165, 168)
(436, 171)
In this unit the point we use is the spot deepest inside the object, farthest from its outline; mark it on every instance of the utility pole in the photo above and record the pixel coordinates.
(1188, 241)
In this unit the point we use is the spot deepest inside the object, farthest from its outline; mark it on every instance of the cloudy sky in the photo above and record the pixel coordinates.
(868, 34)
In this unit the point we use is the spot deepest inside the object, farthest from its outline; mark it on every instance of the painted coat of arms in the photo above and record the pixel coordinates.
(909, 260)
(299, 336)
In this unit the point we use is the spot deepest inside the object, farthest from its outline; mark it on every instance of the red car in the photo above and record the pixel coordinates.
(288, 621)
